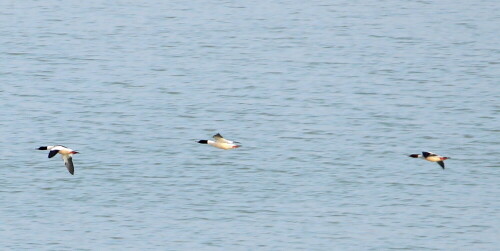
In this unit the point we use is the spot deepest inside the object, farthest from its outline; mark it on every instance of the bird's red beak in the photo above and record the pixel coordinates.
(74, 152)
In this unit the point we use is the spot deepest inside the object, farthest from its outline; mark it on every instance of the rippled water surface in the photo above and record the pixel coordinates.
(327, 98)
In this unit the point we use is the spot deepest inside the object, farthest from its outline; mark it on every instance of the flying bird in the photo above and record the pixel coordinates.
(221, 142)
(432, 157)
(66, 153)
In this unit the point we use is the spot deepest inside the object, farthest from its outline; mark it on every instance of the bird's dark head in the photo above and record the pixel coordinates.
(413, 155)
(203, 141)
(42, 148)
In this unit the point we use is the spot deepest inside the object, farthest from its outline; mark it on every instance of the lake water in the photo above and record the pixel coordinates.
(327, 98)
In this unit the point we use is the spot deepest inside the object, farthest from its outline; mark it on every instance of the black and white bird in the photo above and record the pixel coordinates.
(221, 142)
(66, 153)
(432, 157)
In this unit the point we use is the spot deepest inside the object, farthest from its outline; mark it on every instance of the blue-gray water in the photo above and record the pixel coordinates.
(327, 98)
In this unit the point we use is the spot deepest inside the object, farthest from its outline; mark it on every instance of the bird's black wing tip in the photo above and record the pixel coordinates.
(53, 153)
(441, 163)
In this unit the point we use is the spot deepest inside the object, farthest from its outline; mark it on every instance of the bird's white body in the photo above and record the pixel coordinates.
(62, 150)
(434, 158)
(222, 145)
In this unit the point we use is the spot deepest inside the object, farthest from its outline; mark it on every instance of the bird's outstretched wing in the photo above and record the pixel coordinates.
(53, 153)
(68, 161)
(441, 163)
(220, 139)
(427, 154)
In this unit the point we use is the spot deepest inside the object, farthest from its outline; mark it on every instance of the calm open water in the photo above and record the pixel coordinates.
(327, 98)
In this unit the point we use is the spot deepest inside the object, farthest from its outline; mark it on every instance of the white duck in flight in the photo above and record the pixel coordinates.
(221, 142)
(66, 153)
(432, 157)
